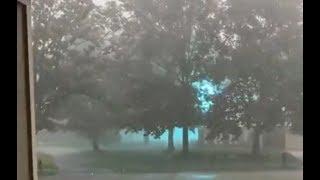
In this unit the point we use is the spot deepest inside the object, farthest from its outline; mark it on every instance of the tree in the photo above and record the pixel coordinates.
(170, 39)
(269, 34)
(156, 100)
(86, 116)
(225, 119)
(74, 45)
(50, 48)
(115, 53)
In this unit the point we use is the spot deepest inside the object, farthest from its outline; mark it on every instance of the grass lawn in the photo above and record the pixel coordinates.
(200, 161)
(46, 165)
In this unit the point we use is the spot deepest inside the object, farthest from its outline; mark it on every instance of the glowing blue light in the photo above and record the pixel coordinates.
(206, 89)
(177, 137)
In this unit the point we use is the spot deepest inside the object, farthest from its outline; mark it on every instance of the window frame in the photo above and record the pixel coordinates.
(28, 94)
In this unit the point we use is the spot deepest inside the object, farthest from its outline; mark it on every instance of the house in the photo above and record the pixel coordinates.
(278, 140)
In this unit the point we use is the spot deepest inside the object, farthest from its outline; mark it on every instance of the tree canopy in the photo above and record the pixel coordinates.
(151, 65)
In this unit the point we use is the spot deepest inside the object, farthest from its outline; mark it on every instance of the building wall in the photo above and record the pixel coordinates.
(275, 140)
(294, 142)
(278, 140)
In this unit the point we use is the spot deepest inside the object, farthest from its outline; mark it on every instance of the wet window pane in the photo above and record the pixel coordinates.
(168, 89)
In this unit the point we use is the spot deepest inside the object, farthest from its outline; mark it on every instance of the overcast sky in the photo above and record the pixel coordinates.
(102, 2)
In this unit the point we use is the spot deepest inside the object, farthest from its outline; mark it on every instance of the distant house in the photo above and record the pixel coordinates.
(278, 140)
(283, 139)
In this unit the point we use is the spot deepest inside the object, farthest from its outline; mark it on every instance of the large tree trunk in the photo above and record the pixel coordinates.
(185, 140)
(170, 140)
(95, 144)
(256, 149)
(201, 136)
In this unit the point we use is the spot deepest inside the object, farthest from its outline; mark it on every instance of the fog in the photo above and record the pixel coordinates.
(168, 89)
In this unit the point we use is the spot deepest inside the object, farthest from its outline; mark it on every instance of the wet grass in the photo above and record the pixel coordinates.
(46, 165)
(155, 161)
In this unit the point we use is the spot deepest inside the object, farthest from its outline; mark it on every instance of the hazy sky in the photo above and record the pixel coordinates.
(102, 2)
(99, 2)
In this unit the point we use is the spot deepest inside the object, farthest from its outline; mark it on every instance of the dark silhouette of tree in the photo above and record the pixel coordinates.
(86, 116)
(269, 54)
(136, 62)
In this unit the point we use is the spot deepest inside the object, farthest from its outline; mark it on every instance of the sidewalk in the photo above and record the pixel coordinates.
(255, 175)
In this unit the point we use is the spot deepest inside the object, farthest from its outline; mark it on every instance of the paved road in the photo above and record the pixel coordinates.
(71, 171)
(265, 175)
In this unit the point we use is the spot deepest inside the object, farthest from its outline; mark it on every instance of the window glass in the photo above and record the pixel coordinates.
(168, 89)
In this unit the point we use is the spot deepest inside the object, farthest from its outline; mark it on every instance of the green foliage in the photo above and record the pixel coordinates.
(265, 65)
(46, 165)
(130, 65)
(155, 161)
